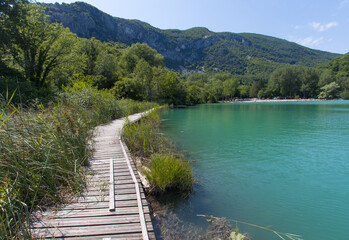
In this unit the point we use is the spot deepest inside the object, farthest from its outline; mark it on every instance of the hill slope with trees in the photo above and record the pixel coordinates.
(195, 49)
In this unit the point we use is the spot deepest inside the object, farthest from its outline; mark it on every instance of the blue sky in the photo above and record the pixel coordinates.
(318, 24)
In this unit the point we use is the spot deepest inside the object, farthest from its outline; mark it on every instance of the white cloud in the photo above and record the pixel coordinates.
(322, 27)
(297, 27)
(310, 41)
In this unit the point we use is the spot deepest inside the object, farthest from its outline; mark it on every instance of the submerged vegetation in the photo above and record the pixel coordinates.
(165, 170)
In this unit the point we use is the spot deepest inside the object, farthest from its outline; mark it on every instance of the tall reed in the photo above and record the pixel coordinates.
(164, 168)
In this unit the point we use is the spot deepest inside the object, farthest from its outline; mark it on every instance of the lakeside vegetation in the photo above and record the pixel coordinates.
(163, 167)
(56, 87)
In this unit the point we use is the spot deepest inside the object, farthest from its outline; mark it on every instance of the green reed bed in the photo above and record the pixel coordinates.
(43, 151)
(164, 169)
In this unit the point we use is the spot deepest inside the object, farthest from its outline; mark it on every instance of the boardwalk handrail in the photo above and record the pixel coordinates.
(111, 187)
(139, 200)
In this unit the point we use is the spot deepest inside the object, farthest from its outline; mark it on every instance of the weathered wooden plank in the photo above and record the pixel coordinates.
(122, 197)
(89, 221)
(131, 236)
(90, 230)
(97, 192)
(92, 212)
(111, 187)
(103, 204)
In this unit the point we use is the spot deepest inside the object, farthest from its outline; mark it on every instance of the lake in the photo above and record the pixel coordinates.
(279, 164)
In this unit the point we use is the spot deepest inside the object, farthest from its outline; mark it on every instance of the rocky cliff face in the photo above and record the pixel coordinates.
(191, 49)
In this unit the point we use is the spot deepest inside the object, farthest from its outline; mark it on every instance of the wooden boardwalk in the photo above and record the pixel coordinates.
(114, 205)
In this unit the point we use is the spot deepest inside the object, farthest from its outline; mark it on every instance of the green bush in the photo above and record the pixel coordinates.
(167, 172)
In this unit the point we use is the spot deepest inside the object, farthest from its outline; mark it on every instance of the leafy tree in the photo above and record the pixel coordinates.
(230, 88)
(309, 82)
(135, 53)
(213, 90)
(326, 77)
(194, 93)
(244, 90)
(143, 76)
(170, 88)
(285, 81)
(329, 91)
(345, 94)
(256, 87)
(36, 45)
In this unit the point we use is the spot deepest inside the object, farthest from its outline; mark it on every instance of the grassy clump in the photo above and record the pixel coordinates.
(164, 169)
(168, 172)
(43, 150)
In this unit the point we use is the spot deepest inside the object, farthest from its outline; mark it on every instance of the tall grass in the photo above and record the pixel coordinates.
(43, 151)
(166, 172)
(164, 169)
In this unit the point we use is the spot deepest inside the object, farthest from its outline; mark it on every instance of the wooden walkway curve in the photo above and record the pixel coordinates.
(114, 205)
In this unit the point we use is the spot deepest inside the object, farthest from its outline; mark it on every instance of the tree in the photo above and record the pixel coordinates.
(230, 88)
(132, 55)
(326, 77)
(214, 90)
(329, 91)
(285, 81)
(256, 87)
(244, 91)
(36, 45)
(143, 76)
(309, 82)
(170, 88)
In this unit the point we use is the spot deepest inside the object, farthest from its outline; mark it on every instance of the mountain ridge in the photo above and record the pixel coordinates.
(196, 48)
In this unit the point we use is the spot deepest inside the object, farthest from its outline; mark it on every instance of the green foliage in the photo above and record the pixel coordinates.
(163, 169)
(285, 82)
(345, 94)
(255, 88)
(230, 88)
(167, 172)
(309, 82)
(329, 91)
(142, 138)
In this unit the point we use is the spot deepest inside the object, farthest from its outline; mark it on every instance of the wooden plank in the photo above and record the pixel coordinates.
(89, 221)
(111, 187)
(89, 230)
(131, 236)
(92, 212)
(97, 192)
(103, 204)
(121, 197)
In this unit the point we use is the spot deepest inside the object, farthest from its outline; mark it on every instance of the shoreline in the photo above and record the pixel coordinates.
(257, 100)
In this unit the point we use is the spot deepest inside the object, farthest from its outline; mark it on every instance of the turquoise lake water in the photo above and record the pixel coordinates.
(279, 164)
